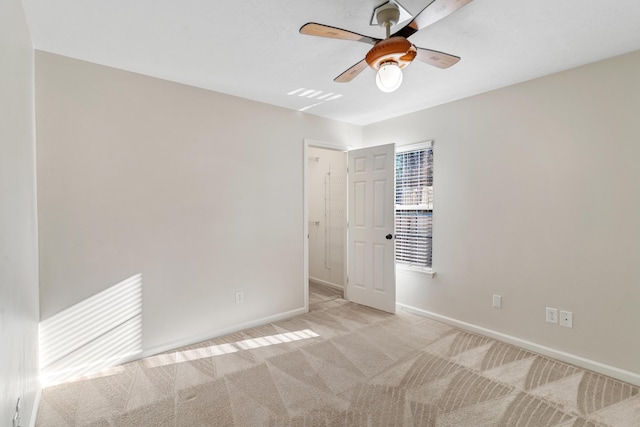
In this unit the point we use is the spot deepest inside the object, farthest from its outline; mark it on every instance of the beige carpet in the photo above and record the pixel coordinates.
(344, 365)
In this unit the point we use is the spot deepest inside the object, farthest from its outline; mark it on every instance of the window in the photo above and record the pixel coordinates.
(414, 204)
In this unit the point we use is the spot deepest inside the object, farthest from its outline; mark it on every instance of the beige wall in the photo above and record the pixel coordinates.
(18, 229)
(200, 192)
(537, 199)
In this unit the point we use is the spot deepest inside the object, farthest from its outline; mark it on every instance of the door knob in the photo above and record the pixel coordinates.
(389, 236)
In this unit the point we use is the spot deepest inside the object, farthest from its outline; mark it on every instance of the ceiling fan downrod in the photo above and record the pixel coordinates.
(388, 16)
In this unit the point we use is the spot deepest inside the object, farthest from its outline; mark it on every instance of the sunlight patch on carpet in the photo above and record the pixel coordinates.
(217, 350)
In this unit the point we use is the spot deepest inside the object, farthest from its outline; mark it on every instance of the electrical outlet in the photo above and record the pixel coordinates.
(566, 319)
(497, 301)
(552, 315)
(239, 297)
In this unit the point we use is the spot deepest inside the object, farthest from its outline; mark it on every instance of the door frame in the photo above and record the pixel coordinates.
(305, 220)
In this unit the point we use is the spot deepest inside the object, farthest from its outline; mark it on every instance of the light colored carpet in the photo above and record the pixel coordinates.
(342, 364)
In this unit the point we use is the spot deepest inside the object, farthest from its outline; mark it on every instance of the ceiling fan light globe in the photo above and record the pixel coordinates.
(389, 77)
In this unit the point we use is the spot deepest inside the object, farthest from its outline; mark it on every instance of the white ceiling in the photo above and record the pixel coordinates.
(252, 48)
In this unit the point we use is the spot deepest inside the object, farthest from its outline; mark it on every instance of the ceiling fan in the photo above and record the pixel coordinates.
(395, 52)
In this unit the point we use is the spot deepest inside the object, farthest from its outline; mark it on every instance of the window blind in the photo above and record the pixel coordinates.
(414, 206)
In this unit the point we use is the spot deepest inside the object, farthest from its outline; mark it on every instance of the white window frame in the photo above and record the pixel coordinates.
(399, 264)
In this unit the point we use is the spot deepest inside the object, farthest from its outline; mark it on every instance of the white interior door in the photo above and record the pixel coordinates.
(371, 277)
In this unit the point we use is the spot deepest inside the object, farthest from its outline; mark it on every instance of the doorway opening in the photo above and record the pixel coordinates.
(326, 221)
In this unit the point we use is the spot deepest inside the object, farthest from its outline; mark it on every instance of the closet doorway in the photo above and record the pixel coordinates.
(326, 212)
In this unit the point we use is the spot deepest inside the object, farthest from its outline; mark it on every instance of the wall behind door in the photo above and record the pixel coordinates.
(327, 215)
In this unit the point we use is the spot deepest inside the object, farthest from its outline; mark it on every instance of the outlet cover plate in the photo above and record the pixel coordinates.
(497, 301)
(566, 318)
(239, 297)
(552, 315)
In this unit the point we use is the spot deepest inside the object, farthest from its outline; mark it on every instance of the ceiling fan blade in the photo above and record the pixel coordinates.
(352, 72)
(321, 30)
(431, 14)
(435, 58)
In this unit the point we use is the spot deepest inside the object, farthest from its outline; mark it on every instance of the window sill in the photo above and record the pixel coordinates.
(419, 271)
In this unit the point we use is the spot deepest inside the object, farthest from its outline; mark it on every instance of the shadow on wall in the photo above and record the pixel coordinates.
(101, 331)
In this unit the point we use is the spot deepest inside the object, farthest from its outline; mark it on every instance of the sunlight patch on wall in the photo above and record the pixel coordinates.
(227, 348)
(101, 331)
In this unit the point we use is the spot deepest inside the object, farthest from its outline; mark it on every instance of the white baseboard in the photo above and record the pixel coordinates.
(325, 283)
(218, 333)
(582, 362)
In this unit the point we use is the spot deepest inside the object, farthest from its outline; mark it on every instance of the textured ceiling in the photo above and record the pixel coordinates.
(252, 49)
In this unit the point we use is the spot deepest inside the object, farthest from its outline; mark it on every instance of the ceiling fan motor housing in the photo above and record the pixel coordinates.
(394, 49)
